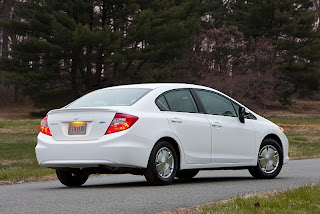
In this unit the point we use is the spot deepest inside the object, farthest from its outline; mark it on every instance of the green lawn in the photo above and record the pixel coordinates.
(294, 120)
(18, 139)
(17, 157)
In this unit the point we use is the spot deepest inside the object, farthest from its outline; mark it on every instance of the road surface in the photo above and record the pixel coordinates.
(132, 194)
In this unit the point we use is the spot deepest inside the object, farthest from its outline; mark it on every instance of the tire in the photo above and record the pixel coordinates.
(71, 179)
(270, 160)
(185, 174)
(162, 164)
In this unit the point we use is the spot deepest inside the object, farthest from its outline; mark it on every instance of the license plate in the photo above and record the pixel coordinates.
(77, 128)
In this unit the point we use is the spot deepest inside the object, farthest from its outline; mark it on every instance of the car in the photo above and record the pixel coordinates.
(162, 131)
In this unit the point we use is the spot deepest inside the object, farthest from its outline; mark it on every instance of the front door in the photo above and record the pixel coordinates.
(232, 141)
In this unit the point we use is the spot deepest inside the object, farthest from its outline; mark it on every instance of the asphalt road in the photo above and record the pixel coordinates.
(132, 194)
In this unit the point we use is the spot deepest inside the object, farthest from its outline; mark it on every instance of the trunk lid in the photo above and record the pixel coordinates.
(94, 123)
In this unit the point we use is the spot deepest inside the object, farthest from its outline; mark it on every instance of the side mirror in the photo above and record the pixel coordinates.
(242, 114)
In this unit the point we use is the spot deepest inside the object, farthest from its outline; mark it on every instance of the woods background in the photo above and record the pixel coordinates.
(52, 52)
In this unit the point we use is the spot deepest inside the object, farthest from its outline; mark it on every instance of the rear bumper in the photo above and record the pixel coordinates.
(121, 149)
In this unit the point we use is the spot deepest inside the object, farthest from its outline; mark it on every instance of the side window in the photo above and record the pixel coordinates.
(181, 100)
(236, 107)
(162, 103)
(216, 104)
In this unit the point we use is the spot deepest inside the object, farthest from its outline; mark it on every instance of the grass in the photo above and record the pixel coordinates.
(303, 135)
(303, 132)
(296, 121)
(17, 157)
(18, 140)
(300, 200)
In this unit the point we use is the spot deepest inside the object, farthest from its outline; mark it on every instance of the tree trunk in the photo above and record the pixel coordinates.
(74, 69)
(100, 48)
(5, 12)
(16, 94)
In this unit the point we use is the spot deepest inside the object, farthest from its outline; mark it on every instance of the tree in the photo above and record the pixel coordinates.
(7, 11)
(70, 47)
(290, 26)
(244, 68)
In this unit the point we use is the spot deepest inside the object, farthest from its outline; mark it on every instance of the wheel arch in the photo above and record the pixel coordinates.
(175, 145)
(274, 137)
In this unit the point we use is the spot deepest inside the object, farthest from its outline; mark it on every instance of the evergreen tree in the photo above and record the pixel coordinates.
(69, 47)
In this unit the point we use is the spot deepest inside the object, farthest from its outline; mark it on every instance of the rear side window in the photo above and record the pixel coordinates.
(181, 101)
(216, 104)
(162, 104)
(110, 97)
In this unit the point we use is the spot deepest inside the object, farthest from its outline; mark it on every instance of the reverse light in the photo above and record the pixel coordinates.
(121, 122)
(44, 128)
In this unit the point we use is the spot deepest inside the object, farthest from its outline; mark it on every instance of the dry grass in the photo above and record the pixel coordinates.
(16, 111)
(302, 128)
(199, 208)
(296, 200)
(304, 139)
(298, 109)
(30, 179)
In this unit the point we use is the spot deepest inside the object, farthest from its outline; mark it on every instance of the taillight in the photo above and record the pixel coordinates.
(121, 122)
(44, 128)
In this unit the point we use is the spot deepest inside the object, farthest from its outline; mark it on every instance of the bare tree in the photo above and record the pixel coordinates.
(243, 68)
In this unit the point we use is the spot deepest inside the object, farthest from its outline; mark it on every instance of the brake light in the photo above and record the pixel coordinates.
(121, 122)
(44, 128)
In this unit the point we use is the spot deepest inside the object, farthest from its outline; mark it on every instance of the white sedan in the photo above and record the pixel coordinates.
(161, 131)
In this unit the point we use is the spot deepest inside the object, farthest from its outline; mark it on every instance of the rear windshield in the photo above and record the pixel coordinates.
(110, 97)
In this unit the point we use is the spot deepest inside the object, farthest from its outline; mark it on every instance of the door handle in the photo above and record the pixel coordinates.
(216, 124)
(176, 120)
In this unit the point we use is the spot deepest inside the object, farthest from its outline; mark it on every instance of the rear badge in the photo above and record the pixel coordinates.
(75, 117)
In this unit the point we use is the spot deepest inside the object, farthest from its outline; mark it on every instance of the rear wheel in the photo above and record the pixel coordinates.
(162, 165)
(71, 179)
(270, 160)
(188, 173)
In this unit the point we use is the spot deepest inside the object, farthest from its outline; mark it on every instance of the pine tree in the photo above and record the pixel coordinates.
(70, 47)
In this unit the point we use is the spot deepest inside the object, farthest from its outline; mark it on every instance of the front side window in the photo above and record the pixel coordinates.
(181, 101)
(236, 107)
(216, 104)
(110, 97)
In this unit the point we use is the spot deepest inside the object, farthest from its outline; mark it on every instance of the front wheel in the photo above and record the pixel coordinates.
(71, 179)
(162, 164)
(270, 160)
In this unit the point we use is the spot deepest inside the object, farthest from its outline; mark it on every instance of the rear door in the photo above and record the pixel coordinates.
(191, 127)
(232, 141)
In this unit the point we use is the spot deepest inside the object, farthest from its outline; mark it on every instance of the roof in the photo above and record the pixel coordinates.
(156, 85)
